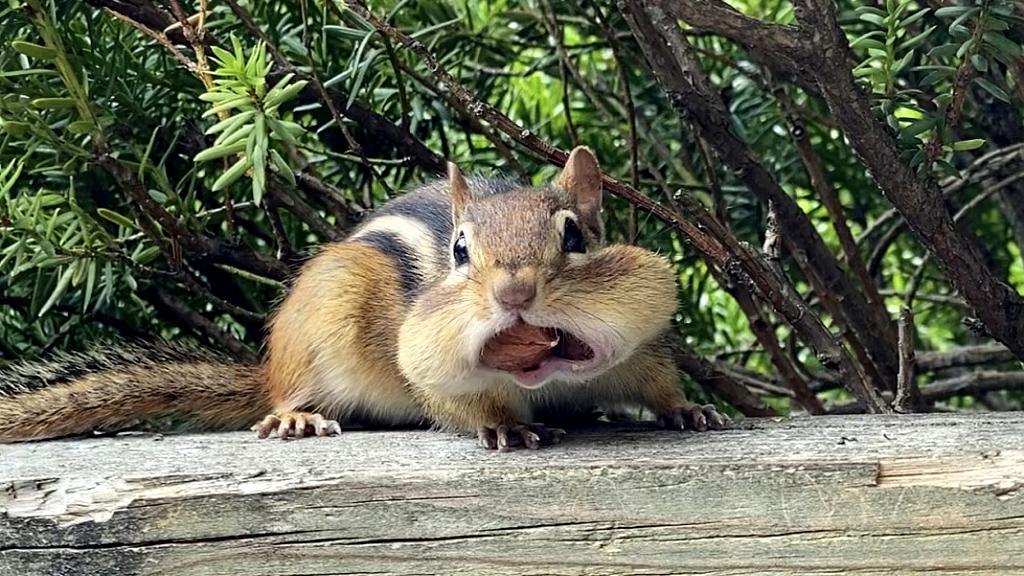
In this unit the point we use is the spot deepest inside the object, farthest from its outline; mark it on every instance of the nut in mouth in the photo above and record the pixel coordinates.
(531, 353)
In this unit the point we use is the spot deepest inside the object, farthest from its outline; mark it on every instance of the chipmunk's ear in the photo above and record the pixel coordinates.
(459, 190)
(582, 177)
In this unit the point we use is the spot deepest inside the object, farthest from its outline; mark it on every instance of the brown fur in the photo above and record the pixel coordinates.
(334, 339)
(213, 395)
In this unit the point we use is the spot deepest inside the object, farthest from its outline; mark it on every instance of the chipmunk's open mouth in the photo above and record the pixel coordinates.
(533, 353)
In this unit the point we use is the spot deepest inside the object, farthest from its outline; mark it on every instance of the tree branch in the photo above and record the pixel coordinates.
(908, 397)
(996, 304)
(720, 383)
(964, 356)
(184, 314)
(690, 90)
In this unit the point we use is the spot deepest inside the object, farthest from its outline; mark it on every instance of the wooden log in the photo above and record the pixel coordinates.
(865, 495)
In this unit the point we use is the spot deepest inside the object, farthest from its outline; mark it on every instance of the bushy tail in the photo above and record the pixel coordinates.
(116, 388)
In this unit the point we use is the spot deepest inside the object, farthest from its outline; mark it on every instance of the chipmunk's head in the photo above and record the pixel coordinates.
(532, 293)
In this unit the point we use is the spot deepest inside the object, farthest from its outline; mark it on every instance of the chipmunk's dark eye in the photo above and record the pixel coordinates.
(460, 250)
(572, 237)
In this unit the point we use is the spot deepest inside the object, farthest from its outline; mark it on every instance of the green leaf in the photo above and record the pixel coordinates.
(236, 44)
(80, 270)
(281, 83)
(426, 30)
(226, 105)
(1002, 43)
(224, 58)
(29, 72)
(913, 18)
(252, 66)
(90, 283)
(979, 62)
(873, 18)
(943, 51)
(53, 103)
(934, 77)
(285, 94)
(259, 159)
(860, 10)
(58, 291)
(219, 151)
(902, 62)
(16, 129)
(231, 123)
(993, 89)
(280, 131)
(951, 11)
(968, 144)
(282, 167)
(365, 65)
(341, 77)
(346, 32)
(947, 169)
(996, 24)
(916, 40)
(917, 159)
(217, 96)
(80, 127)
(232, 174)
(34, 50)
(866, 71)
(230, 138)
(869, 44)
(919, 126)
(116, 218)
(146, 255)
(965, 48)
(960, 19)
(50, 200)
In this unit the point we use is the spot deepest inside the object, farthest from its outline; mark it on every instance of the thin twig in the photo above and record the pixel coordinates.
(830, 199)
(187, 316)
(720, 383)
(971, 384)
(772, 247)
(160, 37)
(474, 123)
(908, 397)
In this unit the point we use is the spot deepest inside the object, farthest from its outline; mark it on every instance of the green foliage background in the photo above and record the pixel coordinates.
(81, 89)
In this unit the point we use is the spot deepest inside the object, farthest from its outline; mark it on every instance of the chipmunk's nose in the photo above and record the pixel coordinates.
(516, 292)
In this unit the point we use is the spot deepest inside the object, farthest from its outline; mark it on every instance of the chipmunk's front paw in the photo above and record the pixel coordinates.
(694, 417)
(505, 438)
(296, 425)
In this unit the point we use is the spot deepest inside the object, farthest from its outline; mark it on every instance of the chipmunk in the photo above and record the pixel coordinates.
(415, 317)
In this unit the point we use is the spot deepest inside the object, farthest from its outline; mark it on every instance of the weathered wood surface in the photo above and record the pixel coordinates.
(919, 494)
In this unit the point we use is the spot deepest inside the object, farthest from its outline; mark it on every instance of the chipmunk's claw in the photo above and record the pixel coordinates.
(296, 425)
(694, 417)
(504, 437)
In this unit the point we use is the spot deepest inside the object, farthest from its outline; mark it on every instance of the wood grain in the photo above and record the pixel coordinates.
(864, 495)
